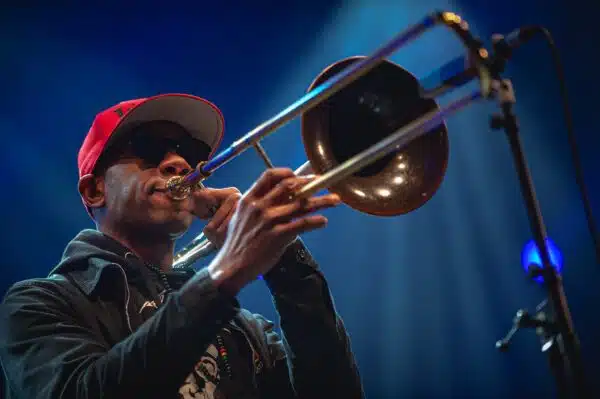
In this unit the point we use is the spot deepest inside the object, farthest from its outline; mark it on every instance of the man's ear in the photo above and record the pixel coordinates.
(91, 189)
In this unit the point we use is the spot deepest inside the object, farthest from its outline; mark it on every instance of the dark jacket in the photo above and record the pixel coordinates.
(70, 335)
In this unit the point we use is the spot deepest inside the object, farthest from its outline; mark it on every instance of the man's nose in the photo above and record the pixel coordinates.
(174, 165)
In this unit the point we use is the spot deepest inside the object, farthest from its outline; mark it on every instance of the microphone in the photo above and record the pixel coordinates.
(461, 70)
(517, 37)
(504, 45)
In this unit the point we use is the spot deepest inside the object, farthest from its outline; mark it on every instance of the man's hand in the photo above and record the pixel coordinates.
(225, 201)
(263, 224)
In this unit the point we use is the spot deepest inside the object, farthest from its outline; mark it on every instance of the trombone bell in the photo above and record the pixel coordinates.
(362, 114)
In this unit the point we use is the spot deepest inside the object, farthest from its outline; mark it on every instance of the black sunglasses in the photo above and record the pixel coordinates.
(152, 149)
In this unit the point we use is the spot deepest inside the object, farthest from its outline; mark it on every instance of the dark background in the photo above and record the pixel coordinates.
(424, 296)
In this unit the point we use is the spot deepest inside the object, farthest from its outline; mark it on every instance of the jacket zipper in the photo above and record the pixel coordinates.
(127, 295)
(257, 365)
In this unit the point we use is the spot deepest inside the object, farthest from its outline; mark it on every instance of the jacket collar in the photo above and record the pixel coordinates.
(91, 256)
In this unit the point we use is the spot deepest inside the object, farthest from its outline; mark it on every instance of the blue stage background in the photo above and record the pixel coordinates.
(423, 296)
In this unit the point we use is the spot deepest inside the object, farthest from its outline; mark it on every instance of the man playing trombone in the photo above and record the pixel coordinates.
(114, 320)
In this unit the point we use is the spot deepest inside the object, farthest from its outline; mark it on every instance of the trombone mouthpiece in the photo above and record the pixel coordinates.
(180, 187)
(177, 188)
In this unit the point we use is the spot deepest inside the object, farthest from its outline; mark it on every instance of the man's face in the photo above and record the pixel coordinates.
(136, 170)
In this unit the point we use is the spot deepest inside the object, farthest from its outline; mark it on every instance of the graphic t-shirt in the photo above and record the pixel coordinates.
(204, 381)
(224, 371)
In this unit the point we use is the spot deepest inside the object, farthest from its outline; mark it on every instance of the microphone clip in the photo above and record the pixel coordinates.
(544, 327)
(503, 46)
(502, 51)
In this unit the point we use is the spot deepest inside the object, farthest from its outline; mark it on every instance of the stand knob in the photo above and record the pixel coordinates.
(523, 319)
(503, 344)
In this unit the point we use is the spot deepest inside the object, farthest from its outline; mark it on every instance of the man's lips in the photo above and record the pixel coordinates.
(162, 199)
(156, 186)
(158, 190)
(163, 191)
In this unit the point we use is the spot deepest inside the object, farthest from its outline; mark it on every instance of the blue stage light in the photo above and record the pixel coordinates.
(530, 255)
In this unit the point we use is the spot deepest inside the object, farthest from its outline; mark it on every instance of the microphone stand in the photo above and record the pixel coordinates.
(547, 332)
(556, 332)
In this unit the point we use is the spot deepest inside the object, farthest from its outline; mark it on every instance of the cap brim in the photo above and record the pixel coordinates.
(199, 117)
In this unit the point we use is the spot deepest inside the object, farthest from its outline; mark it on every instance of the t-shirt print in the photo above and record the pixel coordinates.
(203, 381)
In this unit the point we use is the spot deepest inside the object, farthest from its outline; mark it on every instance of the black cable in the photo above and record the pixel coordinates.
(579, 177)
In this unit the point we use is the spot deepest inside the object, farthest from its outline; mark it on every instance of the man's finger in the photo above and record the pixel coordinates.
(268, 180)
(284, 189)
(301, 225)
(296, 209)
(210, 199)
(215, 196)
(222, 229)
(223, 212)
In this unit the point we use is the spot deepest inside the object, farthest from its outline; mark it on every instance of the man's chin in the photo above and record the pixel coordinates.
(178, 226)
(174, 224)
(176, 230)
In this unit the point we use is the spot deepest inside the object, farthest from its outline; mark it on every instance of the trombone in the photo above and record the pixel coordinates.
(371, 132)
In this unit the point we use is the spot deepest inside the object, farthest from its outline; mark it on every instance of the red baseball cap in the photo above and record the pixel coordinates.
(198, 116)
